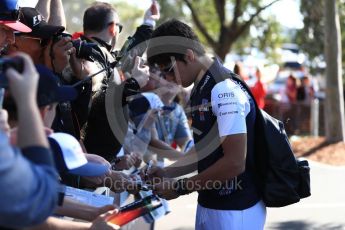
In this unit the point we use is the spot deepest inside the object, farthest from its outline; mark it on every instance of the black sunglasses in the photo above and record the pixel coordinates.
(169, 68)
(12, 15)
(117, 24)
(43, 42)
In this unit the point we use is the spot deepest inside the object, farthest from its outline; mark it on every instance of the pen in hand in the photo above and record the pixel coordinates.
(2, 95)
(148, 168)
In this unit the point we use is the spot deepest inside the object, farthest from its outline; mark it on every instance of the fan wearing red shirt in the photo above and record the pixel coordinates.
(259, 90)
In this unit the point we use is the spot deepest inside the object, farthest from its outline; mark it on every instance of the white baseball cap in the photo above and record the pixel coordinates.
(69, 156)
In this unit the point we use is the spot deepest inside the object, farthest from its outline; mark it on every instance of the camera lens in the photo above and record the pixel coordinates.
(16, 63)
(5, 63)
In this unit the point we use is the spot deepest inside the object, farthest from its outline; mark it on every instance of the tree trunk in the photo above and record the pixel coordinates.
(334, 103)
(223, 48)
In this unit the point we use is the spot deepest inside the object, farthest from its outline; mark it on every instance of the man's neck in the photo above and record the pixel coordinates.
(101, 35)
(205, 63)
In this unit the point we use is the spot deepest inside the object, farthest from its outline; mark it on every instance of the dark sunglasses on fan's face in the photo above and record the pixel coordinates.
(42, 42)
(117, 24)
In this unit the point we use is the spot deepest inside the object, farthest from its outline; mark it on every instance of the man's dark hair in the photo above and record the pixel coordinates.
(98, 16)
(179, 37)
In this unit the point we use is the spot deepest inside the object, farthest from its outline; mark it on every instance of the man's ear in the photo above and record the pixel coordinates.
(112, 29)
(44, 110)
(190, 55)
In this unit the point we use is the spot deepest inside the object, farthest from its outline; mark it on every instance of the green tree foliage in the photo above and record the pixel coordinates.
(310, 38)
(221, 23)
(171, 9)
(74, 11)
(267, 37)
(130, 16)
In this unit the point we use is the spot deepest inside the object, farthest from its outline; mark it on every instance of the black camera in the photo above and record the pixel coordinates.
(16, 63)
(125, 58)
(84, 50)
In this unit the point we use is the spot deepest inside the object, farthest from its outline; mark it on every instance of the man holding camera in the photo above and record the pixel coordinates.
(223, 120)
(46, 46)
(28, 181)
(38, 43)
(104, 31)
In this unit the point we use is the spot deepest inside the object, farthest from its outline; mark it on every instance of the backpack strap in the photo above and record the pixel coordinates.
(237, 78)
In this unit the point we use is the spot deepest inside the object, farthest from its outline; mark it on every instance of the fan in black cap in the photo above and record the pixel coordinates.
(40, 28)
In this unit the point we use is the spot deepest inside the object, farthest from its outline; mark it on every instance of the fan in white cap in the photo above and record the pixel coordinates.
(70, 158)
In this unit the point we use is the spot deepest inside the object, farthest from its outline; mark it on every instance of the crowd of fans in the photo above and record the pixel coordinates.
(294, 90)
(61, 127)
(77, 113)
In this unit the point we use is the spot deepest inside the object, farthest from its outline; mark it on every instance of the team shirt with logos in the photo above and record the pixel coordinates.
(221, 107)
(231, 106)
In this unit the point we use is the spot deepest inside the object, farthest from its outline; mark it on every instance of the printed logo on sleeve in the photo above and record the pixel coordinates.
(226, 95)
(225, 104)
(228, 113)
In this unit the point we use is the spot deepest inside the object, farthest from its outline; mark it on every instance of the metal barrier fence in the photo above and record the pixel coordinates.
(299, 118)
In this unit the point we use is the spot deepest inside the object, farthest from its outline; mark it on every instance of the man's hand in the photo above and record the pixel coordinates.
(61, 54)
(94, 181)
(137, 159)
(101, 222)
(152, 14)
(24, 91)
(117, 181)
(125, 162)
(23, 86)
(166, 189)
(140, 73)
(4, 126)
(153, 173)
(80, 68)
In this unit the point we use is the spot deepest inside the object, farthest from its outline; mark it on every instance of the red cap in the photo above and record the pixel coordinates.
(9, 16)
(17, 26)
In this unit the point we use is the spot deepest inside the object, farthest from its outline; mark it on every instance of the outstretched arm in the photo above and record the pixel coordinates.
(52, 11)
(43, 6)
(57, 14)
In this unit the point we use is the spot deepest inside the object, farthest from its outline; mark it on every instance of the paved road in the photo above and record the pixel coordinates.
(325, 209)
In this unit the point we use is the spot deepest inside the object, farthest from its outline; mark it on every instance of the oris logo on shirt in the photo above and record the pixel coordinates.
(226, 95)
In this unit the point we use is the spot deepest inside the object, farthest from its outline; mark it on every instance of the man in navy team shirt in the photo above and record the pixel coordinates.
(223, 117)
